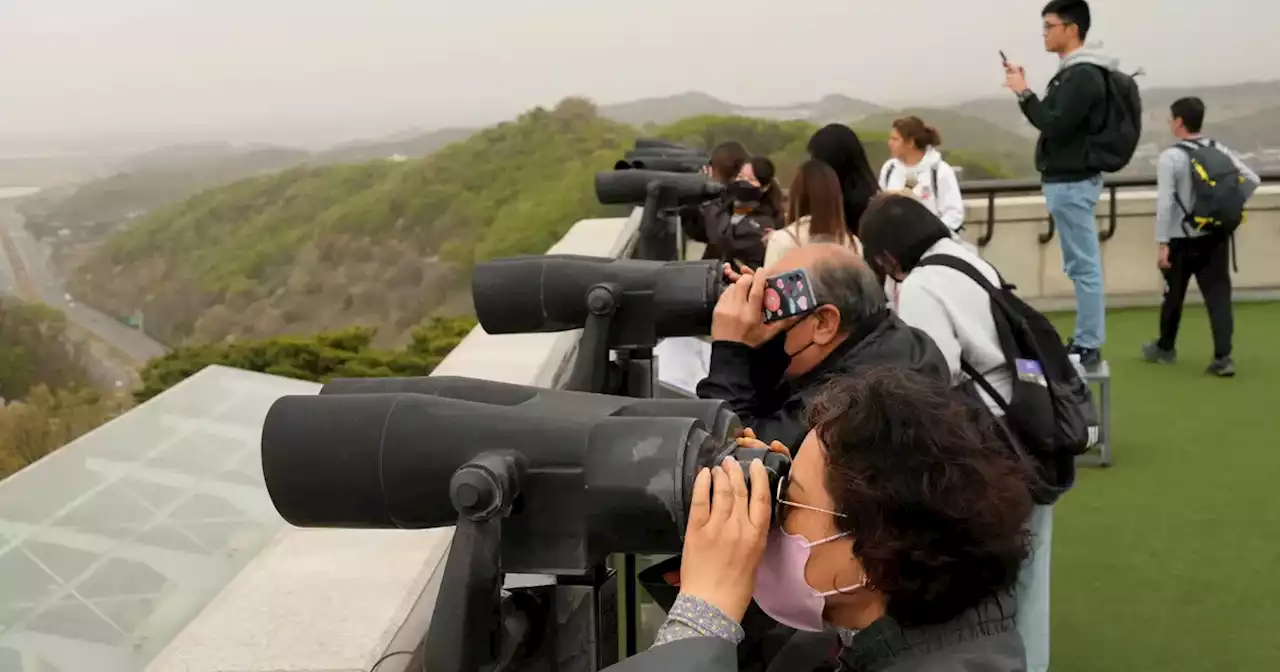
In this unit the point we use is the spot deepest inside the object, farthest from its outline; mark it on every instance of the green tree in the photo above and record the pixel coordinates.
(345, 353)
(35, 349)
(47, 420)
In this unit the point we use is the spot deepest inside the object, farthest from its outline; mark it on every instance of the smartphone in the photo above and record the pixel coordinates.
(788, 295)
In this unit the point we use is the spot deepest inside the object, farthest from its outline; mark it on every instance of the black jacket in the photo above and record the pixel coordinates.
(1073, 108)
(730, 238)
(775, 409)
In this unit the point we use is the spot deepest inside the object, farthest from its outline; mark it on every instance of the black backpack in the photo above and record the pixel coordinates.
(1217, 189)
(1051, 416)
(1112, 147)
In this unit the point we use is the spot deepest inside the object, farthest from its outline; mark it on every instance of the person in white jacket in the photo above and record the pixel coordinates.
(956, 312)
(917, 167)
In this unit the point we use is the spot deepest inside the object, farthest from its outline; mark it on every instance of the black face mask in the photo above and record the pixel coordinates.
(745, 192)
(771, 359)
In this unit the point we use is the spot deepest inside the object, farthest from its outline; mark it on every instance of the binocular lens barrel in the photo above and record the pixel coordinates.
(599, 474)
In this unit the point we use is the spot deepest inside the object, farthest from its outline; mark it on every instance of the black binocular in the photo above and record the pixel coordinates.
(580, 475)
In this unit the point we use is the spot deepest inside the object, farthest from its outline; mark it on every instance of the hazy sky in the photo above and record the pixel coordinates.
(315, 71)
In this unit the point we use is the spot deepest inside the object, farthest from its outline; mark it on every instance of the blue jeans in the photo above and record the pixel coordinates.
(1072, 205)
(1033, 591)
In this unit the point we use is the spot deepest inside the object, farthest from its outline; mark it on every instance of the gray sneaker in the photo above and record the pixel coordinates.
(1152, 352)
(1223, 367)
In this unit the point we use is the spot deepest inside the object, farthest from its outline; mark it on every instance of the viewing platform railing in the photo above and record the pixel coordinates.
(990, 190)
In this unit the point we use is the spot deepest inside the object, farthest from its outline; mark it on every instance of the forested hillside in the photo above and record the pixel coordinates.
(386, 244)
(97, 208)
(383, 243)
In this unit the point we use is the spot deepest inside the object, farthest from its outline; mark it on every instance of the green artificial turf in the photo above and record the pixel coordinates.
(1170, 559)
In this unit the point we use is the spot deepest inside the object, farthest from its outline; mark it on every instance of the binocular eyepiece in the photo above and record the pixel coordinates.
(576, 476)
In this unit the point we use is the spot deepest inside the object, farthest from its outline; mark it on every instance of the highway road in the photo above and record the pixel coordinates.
(34, 257)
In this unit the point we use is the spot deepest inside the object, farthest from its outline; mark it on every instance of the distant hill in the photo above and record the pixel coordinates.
(666, 109)
(379, 243)
(1249, 133)
(51, 171)
(1225, 103)
(196, 156)
(410, 144)
(785, 143)
(967, 134)
(669, 109)
(148, 181)
(841, 108)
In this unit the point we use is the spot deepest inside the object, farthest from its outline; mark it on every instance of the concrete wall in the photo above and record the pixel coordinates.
(338, 600)
(1128, 257)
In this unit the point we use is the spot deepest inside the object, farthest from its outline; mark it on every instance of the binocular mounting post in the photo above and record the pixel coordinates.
(659, 237)
(476, 625)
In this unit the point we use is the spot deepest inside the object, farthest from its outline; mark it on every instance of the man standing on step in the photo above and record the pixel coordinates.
(1074, 107)
(1201, 188)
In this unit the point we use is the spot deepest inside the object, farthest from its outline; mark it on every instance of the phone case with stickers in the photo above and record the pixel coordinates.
(788, 295)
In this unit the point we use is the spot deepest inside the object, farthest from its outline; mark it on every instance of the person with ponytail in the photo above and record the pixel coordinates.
(839, 147)
(917, 169)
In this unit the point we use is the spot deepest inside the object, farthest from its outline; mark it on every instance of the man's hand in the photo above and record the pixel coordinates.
(732, 275)
(1015, 78)
(739, 314)
(1162, 257)
(725, 536)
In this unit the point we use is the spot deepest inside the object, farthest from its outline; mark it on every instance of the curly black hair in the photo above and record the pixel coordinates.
(935, 502)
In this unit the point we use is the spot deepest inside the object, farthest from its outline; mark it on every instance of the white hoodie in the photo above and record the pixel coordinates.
(943, 199)
(956, 313)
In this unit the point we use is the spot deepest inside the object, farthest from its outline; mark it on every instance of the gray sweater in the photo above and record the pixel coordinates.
(1173, 176)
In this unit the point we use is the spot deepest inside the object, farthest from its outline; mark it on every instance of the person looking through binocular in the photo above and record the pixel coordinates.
(899, 533)
(769, 372)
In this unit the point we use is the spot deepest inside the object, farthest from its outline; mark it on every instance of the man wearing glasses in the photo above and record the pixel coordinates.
(1074, 108)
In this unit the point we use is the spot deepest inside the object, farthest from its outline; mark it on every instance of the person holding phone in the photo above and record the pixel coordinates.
(769, 371)
(1069, 116)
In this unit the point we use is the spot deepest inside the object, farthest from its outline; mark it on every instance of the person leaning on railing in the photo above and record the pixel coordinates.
(865, 586)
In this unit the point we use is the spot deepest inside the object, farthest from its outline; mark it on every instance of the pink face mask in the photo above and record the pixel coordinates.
(781, 589)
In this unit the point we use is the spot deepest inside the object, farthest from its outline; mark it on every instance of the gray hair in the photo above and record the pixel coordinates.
(851, 286)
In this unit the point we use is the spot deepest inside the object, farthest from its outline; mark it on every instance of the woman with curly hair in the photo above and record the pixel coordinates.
(899, 541)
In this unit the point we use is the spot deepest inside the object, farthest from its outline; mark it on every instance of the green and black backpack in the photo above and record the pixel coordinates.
(1217, 190)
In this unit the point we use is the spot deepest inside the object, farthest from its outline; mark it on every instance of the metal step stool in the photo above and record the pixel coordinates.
(1100, 376)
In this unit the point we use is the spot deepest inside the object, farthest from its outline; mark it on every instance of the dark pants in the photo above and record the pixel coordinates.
(1209, 261)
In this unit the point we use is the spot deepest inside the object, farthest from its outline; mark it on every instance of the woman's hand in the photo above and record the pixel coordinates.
(747, 439)
(726, 536)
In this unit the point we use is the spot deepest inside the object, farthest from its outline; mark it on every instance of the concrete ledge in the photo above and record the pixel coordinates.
(338, 600)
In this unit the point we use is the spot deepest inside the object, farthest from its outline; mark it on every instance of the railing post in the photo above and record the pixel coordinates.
(1047, 235)
(1111, 218)
(991, 220)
